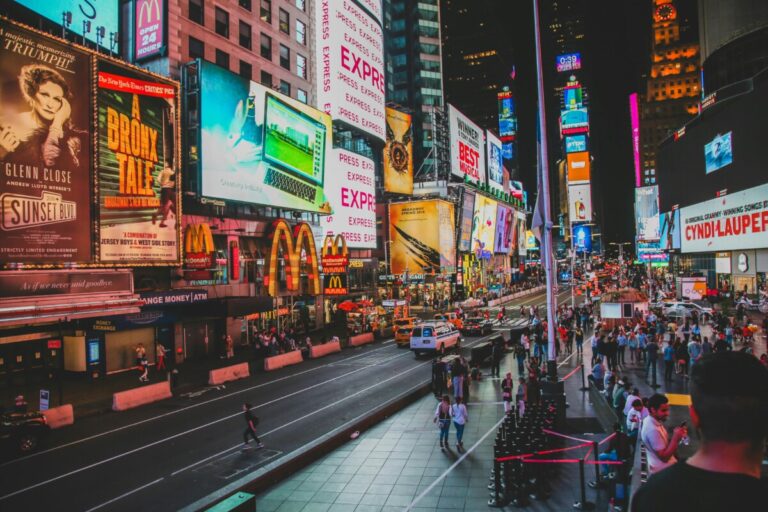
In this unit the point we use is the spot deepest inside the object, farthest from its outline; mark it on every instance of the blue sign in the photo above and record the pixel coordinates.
(650, 251)
(718, 153)
(582, 238)
(576, 118)
(575, 143)
(94, 353)
(100, 13)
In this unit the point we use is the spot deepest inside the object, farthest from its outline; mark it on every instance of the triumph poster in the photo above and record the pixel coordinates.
(45, 149)
(138, 167)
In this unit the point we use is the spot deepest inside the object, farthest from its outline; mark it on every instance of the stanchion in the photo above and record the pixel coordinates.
(583, 504)
(597, 483)
(584, 386)
(653, 366)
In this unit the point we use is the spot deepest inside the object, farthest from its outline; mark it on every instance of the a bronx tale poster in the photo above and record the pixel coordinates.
(137, 167)
(45, 149)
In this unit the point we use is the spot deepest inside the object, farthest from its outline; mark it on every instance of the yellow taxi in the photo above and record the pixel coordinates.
(451, 318)
(403, 327)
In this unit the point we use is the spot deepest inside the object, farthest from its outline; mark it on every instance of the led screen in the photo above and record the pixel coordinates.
(422, 237)
(507, 115)
(149, 28)
(574, 121)
(718, 153)
(495, 161)
(669, 231)
(484, 227)
(578, 167)
(582, 238)
(398, 153)
(505, 218)
(575, 143)
(647, 213)
(101, 13)
(467, 214)
(572, 98)
(568, 62)
(580, 203)
(467, 146)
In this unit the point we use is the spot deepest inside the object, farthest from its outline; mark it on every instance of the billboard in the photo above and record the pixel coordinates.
(718, 153)
(259, 146)
(573, 97)
(484, 227)
(137, 166)
(647, 213)
(350, 65)
(149, 28)
(531, 243)
(422, 237)
(522, 246)
(568, 62)
(505, 219)
(45, 148)
(574, 121)
(467, 214)
(669, 230)
(99, 13)
(578, 166)
(351, 191)
(651, 251)
(495, 161)
(582, 238)
(579, 203)
(467, 146)
(507, 114)
(398, 153)
(634, 118)
(575, 143)
(731, 222)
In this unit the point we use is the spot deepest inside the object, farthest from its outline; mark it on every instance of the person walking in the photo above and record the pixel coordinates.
(460, 418)
(632, 344)
(506, 392)
(443, 420)
(250, 426)
(457, 378)
(521, 396)
(160, 352)
(652, 352)
(230, 346)
(669, 361)
(622, 342)
(496, 353)
(144, 368)
(579, 336)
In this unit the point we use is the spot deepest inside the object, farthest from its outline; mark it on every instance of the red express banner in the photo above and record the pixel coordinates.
(45, 149)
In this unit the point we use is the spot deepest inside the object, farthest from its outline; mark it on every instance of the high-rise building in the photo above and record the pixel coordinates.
(673, 88)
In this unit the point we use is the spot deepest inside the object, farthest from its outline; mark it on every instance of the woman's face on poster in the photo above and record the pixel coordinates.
(48, 100)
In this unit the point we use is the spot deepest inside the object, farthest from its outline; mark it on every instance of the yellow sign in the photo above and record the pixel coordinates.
(198, 247)
(292, 245)
(335, 285)
(398, 153)
(334, 256)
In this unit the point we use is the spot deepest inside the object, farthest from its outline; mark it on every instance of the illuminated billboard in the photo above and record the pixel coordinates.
(578, 167)
(522, 246)
(505, 219)
(138, 164)
(634, 118)
(45, 147)
(669, 230)
(99, 13)
(484, 227)
(398, 153)
(495, 161)
(579, 203)
(351, 191)
(149, 28)
(259, 146)
(350, 65)
(573, 97)
(574, 121)
(531, 243)
(507, 115)
(582, 238)
(568, 62)
(651, 252)
(575, 143)
(647, 213)
(422, 237)
(467, 214)
(467, 146)
(718, 152)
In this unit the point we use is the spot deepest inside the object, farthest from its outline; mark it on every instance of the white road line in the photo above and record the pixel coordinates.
(125, 495)
(566, 359)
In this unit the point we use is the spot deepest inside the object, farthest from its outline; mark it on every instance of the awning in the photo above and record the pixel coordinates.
(87, 307)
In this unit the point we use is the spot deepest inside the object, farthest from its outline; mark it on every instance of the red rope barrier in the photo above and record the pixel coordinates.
(607, 438)
(558, 434)
(545, 452)
(609, 462)
(551, 461)
(570, 374)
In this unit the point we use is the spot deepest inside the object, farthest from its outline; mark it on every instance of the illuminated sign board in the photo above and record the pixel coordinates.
(647, 213)
(334, 257)
(574, 121)
(398, 153)
(505, 220)
(718, 153)
(579, 203)
(669, 230)
(149, 28)
(568, 62)
(495, 161)
(199, 250)
(578, 166)
(484, 227)
(651, 252)
(582, 238)
(467, 214)
(467, 146)
(422, 235)
(575, 143)
(293, 243)
(573, 97)
(99, 13)
(634, 117)
(507, 115)
(335, 284)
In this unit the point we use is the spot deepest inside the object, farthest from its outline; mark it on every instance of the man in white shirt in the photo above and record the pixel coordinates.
(634, 395)
(661, 448)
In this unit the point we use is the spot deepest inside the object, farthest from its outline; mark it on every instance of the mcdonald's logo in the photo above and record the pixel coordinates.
(292, 244)
(335, 284)
(198, 246)
(145, 11)
(335, 256)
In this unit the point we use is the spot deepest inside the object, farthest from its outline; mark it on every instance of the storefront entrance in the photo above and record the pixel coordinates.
(121, 348)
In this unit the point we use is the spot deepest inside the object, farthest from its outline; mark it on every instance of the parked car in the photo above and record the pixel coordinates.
(22, 432)
(477, 325)
(437, 337)
(685, 309)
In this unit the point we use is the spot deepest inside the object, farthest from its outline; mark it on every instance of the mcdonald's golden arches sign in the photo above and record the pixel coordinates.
(335, 257)
(293, 242)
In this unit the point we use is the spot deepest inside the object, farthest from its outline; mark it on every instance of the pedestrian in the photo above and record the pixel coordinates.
(669, 361)
(695, 351)
(660, 446)
(652, 353)
(141, 353)
(230, 345)
(520, 353)
(521, 396)
(632, 344)
(144, 368)
(250, 426)
(460, 418)
(443, 420)
(579, 336)
(496, 353)
(622, 342)
(160, 352)
(634, 420)
(506, 392)
(457, 378)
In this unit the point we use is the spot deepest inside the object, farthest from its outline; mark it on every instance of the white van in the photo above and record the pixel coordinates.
(434, 337)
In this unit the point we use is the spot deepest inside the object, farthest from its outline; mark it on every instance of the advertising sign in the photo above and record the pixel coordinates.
(149, 28)
(44, 283)
(578, 167)
(259, 146)
(421, 234)
(522, 246)
(650, 251)
(484, 227)
(647, 213)
(505, 219)
(398, 153)
(718, 153)
(582, 238)
(467, 214)
(45, 149)
(575, 143)
(669, 231)
(507, 115)
(467, 146)
(373, 7)
(495, 161)
(138, 190)
(530, 241)
(350, 65)
(335, 284)
(693, 288)
(99, 13)
(568, 62)
(634, 118)
(731, 222)
(297, 246)
(351, 191)
(574, 121)
(573, 97)
(579, 203)
(508, 150)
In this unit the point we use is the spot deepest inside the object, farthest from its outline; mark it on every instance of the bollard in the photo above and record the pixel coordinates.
(583, 504)
(584, 386)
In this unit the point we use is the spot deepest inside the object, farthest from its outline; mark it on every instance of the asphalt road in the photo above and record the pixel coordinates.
(167, 455)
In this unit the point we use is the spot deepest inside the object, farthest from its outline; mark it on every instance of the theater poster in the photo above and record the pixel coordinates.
(422, 237)
(45, 149)
(138, 172)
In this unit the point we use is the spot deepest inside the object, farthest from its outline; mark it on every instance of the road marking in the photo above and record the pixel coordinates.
(125, 495)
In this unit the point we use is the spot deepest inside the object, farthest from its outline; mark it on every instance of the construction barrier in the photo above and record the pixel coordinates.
(316, 351)
(61, 416)
(124, 400)
(228, 373)
(361, 339)
(282, 360)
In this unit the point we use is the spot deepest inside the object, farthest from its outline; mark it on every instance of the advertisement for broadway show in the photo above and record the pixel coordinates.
(422, 234)
(467, 146)
(495, 162)
(484, 227)
(505, 219)
(467, 215)
(45, 149)
(259, 146)
(398, 153)
(137, 166)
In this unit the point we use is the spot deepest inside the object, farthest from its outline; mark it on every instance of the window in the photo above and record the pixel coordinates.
(266, 11)
(285, 87)
(266, 47)
(301, 66)
(301, 4)
(285, 57)
(245, 4)
(266, 79)
(196, 48)
(246, 70)
(301, 95)
(284, 21)
(196, 11)
(301, 32)
(222, 22)
(245, 35)
(222, 59)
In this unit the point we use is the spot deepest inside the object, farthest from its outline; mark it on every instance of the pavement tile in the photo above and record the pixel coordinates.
(334, 486)
(387, 478)
(349, 498)
(378, 488)
(290, 506)
(368, 508)
(325, 496)
(403, 490)
(451, 503)
(314, 507)
(318, 476)
(267, 505)
(312, 486)
(395, 500)
(374, 499)
(355, 486)
(300, 495)
(454, 491)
